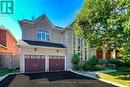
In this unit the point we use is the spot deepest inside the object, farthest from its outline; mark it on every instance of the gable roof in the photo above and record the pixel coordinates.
(5, 29)
(68, 26)
(33, 22)
(41, 43)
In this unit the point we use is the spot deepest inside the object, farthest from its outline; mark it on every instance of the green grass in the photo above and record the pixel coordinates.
(4, 71)
(118, 77)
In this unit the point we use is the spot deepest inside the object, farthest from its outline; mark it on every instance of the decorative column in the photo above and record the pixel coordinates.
(114, 53)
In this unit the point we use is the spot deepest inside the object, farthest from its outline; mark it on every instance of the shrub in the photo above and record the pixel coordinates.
(111, 66)
(97, 68)
(124, 69)
(113, 60)
(102, 61)
(81, 66)
(90, 64)
(128, 62)
(75, 61)
(93, 60)
(124, 62)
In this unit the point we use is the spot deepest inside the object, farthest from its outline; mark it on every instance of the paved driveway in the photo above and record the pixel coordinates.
(59, 79)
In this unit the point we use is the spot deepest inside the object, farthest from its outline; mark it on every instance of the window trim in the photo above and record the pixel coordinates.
(46, 32)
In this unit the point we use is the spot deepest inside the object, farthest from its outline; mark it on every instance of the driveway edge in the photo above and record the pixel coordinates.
(106, 81)
(3, 77)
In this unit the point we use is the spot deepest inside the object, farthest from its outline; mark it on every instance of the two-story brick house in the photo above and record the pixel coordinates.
(46, 47)
(8, 49)
(41, 47)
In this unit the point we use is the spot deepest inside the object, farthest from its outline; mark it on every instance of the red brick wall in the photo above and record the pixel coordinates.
(10, 44)
(3, 37)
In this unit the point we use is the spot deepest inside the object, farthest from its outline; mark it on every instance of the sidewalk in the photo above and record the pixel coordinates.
(93, 75)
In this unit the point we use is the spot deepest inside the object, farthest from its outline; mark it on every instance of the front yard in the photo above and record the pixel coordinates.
(118, 77)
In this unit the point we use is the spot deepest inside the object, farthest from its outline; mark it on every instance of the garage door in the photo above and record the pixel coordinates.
(56, 63)
(34, 63)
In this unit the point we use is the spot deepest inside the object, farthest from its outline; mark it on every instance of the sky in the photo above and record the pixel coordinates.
(59, 12)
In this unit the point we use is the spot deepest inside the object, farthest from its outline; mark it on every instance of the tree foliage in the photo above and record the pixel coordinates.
(105, 23)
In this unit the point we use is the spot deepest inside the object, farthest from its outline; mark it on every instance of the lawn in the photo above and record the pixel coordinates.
(4, 71)
(118, 77)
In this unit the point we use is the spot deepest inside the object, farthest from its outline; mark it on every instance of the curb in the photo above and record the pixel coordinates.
(3, 77)
(106, 81)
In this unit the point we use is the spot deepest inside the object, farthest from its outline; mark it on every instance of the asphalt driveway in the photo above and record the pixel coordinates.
(58, 79)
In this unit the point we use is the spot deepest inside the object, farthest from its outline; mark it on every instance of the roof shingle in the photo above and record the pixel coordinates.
(46, 44)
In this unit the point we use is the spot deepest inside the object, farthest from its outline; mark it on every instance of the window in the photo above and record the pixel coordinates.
(85, 53)
(43, 35)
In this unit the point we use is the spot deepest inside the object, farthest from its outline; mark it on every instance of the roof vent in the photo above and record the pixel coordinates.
(2, 26)
(33, 18)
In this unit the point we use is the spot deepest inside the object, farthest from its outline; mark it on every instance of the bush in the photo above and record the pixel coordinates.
(113, 60)
(128, 62)
(124, 62)
(124, 69)
(97, 68)
(75, 61)
(90, 64)
(81, 66)
(93, 60)
(102, 61)
(111, 66)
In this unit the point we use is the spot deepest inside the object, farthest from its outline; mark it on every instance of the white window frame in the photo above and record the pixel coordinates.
(41, 36)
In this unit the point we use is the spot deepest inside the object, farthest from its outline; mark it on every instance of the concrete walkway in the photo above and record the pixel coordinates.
(93, 75)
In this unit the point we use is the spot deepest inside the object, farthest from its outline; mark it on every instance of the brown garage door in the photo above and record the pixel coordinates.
(34, 63)
(56, 63)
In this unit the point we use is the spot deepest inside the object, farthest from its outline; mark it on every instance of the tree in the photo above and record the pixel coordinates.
(105, 23)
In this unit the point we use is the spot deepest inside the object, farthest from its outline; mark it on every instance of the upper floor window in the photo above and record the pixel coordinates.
(43, 35)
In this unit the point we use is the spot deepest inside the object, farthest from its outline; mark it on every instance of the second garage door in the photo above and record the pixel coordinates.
(56, 63)
(34, 63)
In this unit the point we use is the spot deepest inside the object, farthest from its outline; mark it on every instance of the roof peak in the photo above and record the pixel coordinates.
(34, 20)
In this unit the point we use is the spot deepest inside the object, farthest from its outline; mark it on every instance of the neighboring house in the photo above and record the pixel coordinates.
(9, 53)
(46, 47)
